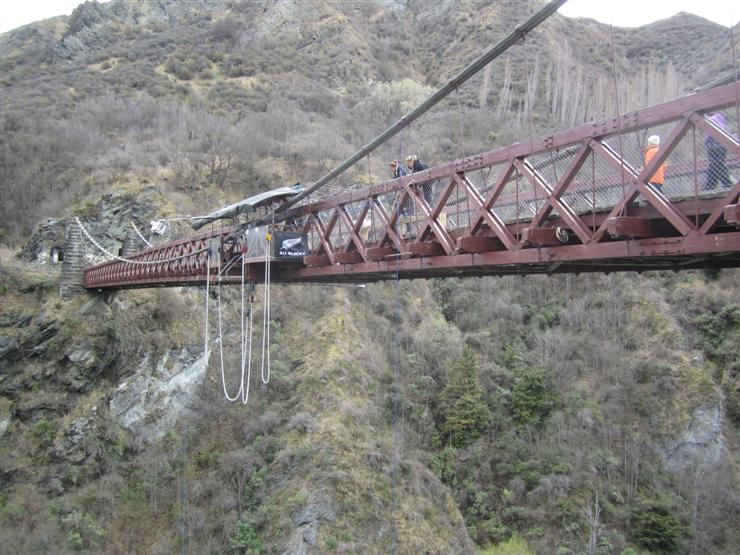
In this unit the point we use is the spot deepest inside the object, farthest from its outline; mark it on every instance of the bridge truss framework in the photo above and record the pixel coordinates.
(575, 201)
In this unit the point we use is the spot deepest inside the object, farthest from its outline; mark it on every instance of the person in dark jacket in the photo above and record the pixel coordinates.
(397, 170)
(717, 170)
(415, 165)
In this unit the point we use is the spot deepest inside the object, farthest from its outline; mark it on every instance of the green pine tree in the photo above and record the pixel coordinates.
(533, 399)
(463, 408)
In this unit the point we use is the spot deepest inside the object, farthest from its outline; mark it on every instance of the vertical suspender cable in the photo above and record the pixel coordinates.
(734, 66)
(619, 115)
(462, 147)
(528, 102)
(459, 121)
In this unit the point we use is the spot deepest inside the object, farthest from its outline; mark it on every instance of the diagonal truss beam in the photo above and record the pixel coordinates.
(431, 222)
(570, 173)
(565, 211)
(485, 210)
(730, 198)
(354, 229)
(493, 221)
(389, 222)
(638, 181)
(325, 233)
(439, 204)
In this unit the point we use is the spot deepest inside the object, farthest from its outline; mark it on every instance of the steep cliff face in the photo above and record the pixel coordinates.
(594, 385)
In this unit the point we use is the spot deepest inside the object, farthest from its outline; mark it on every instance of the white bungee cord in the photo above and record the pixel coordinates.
(247, 328)
(266, 315)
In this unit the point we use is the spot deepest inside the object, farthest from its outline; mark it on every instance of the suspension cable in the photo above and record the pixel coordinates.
(109, 254)
(734, 65)
(528, 102)
(619, 115)
(136, 229)
(470, 70)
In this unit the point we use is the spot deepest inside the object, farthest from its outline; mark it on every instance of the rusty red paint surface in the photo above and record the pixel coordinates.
(450, 221)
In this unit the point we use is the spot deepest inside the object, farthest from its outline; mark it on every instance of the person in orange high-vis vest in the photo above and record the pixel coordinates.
(653, 144)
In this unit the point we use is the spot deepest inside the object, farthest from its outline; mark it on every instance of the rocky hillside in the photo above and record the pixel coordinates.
(567, 414)
(228, 97)
(608, 394)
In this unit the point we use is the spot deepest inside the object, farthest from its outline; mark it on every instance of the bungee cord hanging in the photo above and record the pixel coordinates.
(246, 339)
(266, 314)
(246, 324)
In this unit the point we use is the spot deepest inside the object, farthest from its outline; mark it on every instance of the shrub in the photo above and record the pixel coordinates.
(533, 399)
(716, 332)
(45, 431)
(244, 539)
(464, 411)
(655, 528)
(514, 546)
(84, 531)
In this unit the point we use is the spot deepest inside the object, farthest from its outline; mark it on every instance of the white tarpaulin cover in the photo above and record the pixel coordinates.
(248, 204)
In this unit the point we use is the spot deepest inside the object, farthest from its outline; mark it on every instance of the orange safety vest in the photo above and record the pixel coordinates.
(659, 175)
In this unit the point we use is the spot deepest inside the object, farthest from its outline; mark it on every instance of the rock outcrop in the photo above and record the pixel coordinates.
(150, 402)
(702, 442)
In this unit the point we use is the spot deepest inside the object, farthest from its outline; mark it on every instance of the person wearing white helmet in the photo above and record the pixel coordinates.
(658, 177)
(415, 165)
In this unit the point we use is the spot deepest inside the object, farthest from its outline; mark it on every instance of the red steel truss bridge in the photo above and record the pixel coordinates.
(578, 200)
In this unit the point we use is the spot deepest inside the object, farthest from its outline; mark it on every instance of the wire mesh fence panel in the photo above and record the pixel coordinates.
(506, 205)
(455, 214)
(596, 187)
(313, 239)
(339, 235)
(485, 179)
(358, 213)
(722, 166)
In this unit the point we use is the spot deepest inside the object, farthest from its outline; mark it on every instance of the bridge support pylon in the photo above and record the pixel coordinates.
(72, 278)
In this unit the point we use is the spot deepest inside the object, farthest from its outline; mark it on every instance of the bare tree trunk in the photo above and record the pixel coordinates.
(592, 516)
